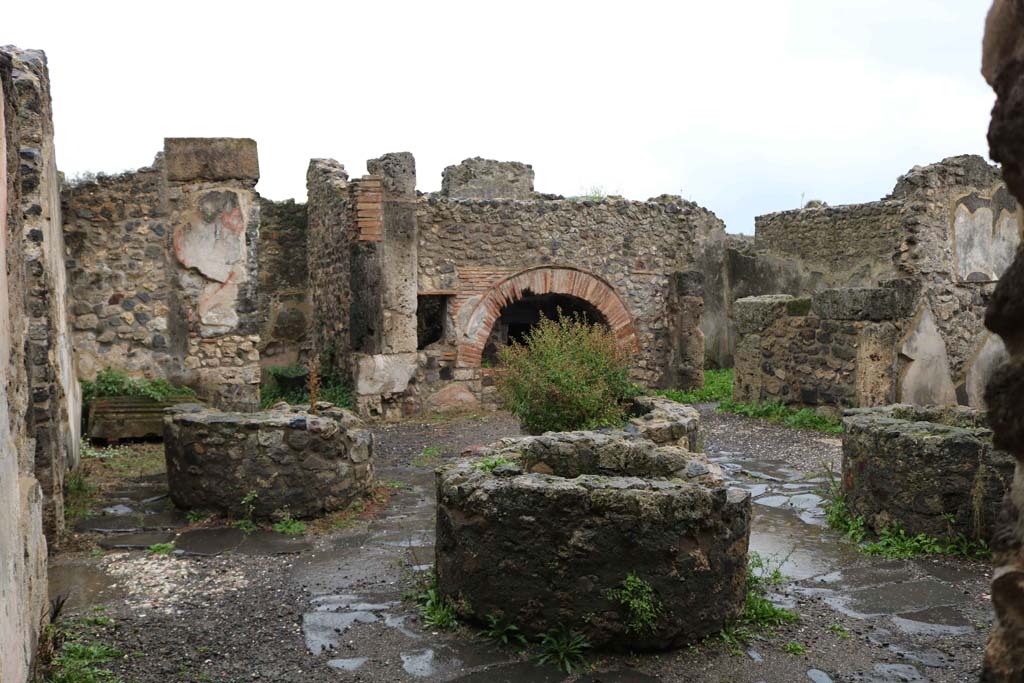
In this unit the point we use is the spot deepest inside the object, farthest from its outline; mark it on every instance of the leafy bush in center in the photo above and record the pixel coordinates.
(568, 375)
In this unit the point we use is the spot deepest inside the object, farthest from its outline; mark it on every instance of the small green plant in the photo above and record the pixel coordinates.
(428, 458)
(70, 653)
(502, 632)
(80, 497)
(197, 516)
(804, 418)
(160, 549)
(489, 463)
(568, 375)
(110, 382)
(839, 631)
(794, 648)
(564, 648)
(637, 596)
(839, 517)
(437, 611)
(759, 613)
(330, 387)
(246, 525)
(893, 541)
(717, 387)
(289, 526)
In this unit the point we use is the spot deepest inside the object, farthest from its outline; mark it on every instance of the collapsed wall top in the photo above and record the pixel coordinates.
(190, 159)
(478, 178)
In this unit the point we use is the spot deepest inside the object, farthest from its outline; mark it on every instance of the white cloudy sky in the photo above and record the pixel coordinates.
(743, 106)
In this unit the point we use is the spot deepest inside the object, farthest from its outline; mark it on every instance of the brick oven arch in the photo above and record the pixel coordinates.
(543, 280)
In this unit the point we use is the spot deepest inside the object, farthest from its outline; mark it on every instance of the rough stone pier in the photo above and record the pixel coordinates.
(931, 470)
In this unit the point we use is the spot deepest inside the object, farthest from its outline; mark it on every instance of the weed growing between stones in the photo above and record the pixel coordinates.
(288, 525)
(80, 497)
(759, 614)
(160, 549)
(197, 516)
(893, 541)
(804, 418)
(503, 633)
(564, 648)
(637, 597)
(569, 375)
(329, 387)
(794, 648)
(489, 463)
(437, 611)
(246, 524)
(717, 387)
(428, 458)
(71, 650)
(839, 630)
(838, 516)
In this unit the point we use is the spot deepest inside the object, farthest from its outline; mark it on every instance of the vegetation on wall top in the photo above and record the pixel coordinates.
(110, 382)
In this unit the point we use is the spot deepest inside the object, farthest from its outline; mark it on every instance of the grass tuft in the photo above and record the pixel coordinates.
(717, 387)
(803, 418)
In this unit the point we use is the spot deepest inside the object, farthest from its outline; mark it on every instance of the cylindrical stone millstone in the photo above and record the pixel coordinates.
(262, 464)
(551, 530)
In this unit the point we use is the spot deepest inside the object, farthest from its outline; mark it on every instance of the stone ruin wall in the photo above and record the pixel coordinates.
(116, 234)
(948, 229)
(329, 262)
(1004, 71)
(396, 247)
(38, 390)
(164, 271)
(837, 348)
(283, 297)
(56, 395)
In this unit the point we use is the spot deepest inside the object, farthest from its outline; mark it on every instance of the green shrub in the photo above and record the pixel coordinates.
(110, 382)
(568, 375)
(717, 387)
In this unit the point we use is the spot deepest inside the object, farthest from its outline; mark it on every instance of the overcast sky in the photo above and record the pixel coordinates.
(745, 107)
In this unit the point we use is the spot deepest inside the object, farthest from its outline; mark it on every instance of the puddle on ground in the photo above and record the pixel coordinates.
(323, 630)
(419, 664)
(135, 541)
(516, 672)
(934, 622)
(350, 664)
(209, 541)
(804, 551)
(85, 585)
(891, 673)
(895, 598)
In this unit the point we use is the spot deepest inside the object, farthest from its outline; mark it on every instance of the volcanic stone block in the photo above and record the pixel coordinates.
(292, 460)
(931, 470)
(548, 534)
(478, 178)
(754, 314)
(196, 159)
(859, 303)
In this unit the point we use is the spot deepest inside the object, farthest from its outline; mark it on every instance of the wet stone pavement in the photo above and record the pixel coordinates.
(330, 608)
